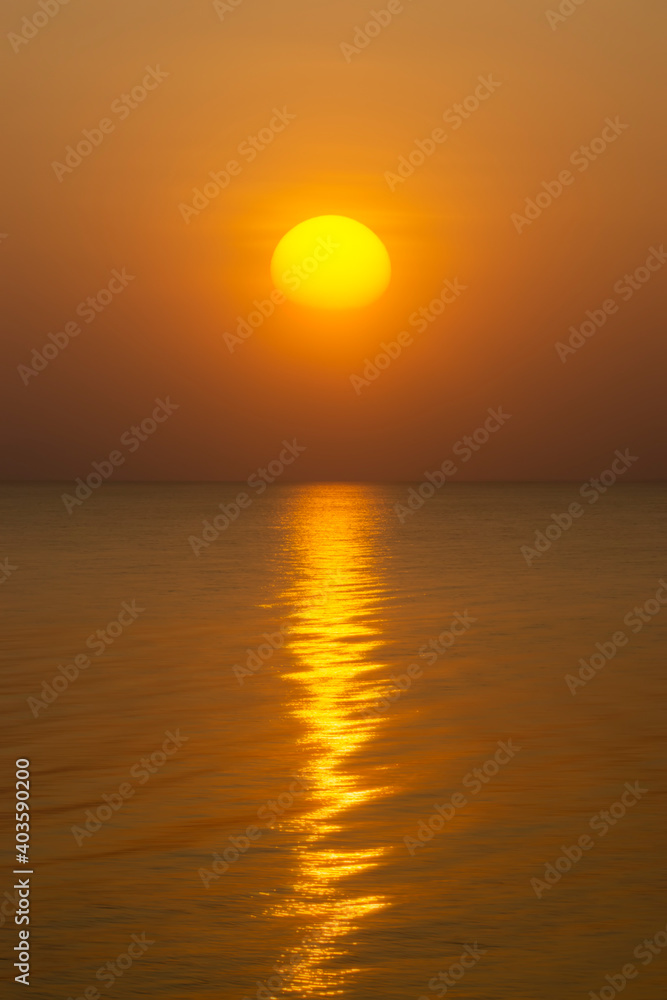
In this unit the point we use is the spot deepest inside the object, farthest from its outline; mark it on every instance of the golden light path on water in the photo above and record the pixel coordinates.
(336, 594)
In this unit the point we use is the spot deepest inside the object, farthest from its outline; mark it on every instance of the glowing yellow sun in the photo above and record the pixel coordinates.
(331, 262)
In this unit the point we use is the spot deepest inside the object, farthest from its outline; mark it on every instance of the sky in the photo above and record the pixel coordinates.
(541, 203)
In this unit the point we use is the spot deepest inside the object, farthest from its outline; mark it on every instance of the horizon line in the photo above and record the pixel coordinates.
(316, 482)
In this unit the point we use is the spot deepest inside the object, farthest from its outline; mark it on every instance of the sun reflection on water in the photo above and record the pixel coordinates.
(337, 593)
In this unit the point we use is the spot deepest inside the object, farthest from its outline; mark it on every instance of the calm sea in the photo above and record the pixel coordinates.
(237, 755)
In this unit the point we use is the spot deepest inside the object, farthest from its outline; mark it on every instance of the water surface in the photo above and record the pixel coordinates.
(270, 657)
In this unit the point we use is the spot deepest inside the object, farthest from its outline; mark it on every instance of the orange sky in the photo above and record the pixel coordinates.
(210, 78)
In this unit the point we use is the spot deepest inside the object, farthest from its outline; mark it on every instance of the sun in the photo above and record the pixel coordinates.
(331, 262)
